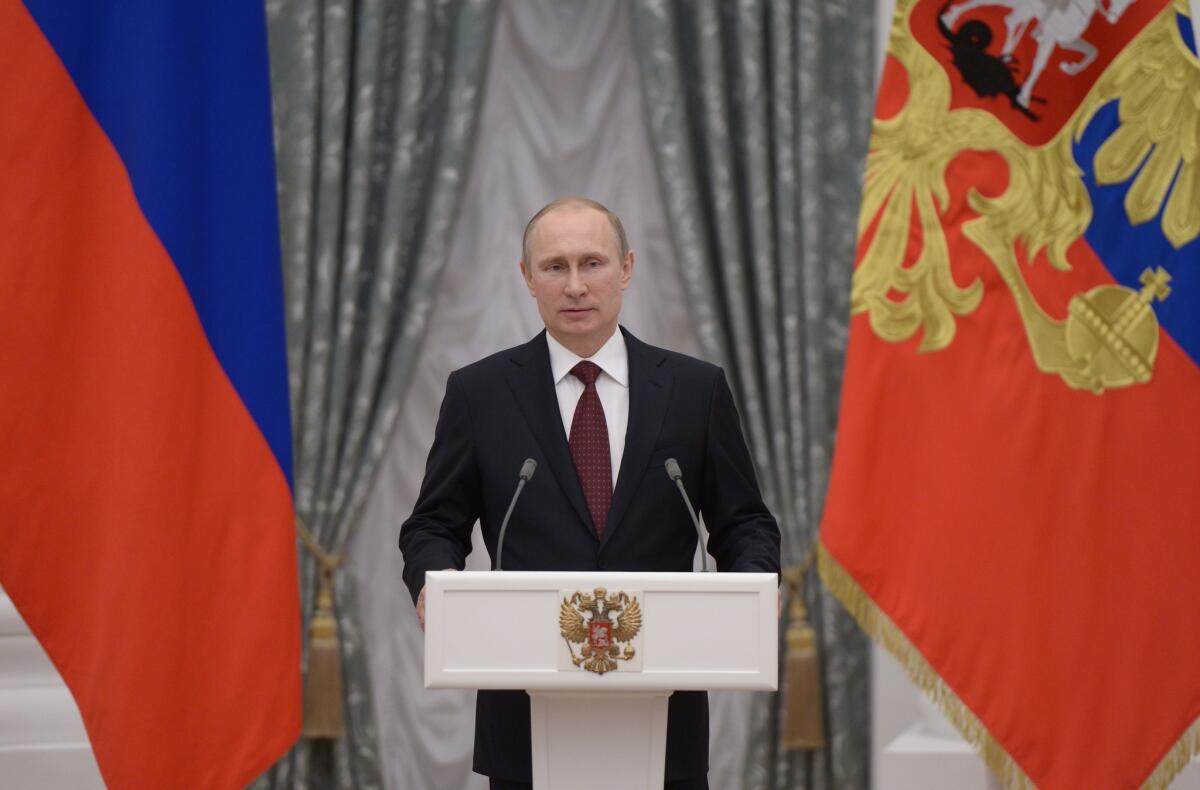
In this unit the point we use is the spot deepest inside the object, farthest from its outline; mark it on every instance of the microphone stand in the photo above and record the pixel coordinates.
(527, 470)
(673, 471)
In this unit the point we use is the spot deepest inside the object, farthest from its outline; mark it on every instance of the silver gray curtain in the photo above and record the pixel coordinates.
(759, 114)
(376, 104)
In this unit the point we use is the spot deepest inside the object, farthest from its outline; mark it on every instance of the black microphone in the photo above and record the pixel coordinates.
(527, 470)
(673, 472)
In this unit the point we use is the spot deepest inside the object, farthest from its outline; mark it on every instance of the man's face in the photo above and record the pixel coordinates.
(577, 275)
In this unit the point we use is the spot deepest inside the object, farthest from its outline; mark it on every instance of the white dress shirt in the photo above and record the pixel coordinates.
(612, 385)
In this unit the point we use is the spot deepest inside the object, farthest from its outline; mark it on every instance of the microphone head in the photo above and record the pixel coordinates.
(528, 468)
(673, 469)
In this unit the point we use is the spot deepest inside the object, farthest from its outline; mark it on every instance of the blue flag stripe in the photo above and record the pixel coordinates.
(182, 89)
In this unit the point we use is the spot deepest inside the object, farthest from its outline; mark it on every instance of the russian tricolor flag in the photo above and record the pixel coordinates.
(146, 526)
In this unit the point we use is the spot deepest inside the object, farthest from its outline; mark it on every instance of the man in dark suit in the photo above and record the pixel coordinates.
(600, 411)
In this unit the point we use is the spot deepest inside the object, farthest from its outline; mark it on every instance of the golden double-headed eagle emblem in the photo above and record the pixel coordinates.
(602, 625)
(1109, 335)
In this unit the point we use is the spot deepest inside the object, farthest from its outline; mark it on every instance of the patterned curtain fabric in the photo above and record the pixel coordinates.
(759, 115)
(376, 104)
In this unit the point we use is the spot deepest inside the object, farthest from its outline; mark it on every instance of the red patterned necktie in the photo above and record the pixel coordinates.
(589, 446)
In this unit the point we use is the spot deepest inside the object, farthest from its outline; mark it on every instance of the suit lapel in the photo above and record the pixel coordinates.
(649, 395)
(532, 384)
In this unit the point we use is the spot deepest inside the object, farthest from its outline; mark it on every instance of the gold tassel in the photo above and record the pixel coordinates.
(323, 684)
(803, 710)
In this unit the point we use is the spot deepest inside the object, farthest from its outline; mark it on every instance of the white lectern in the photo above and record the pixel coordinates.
(599, 653)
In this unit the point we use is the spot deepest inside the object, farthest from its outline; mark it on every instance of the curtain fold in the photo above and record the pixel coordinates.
(759, 117)
(376, 105)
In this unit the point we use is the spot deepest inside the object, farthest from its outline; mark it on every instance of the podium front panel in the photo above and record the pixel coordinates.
(503, 630)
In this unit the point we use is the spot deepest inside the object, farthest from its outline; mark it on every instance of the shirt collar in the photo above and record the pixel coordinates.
(612, 358)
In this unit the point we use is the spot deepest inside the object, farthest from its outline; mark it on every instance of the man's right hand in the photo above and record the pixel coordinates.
(421, 603)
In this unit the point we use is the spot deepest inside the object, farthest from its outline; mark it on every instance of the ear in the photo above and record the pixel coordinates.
(627, 270)
(527, 273)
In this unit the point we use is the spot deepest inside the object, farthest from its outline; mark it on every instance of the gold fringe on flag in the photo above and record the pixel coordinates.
(880, 627)
(803, 708)
(323, 714)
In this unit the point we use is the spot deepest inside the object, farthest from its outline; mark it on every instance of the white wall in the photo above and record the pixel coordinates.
(42, 741)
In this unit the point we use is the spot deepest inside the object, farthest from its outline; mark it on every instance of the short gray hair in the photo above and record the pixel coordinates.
(577, 202)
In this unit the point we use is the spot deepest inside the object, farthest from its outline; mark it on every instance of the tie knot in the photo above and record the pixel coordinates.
(587, 372)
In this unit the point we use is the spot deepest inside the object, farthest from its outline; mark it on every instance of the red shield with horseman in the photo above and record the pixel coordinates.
(600, 634)
(1028, 62)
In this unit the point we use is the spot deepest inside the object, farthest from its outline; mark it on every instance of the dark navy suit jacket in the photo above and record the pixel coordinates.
(503, 409)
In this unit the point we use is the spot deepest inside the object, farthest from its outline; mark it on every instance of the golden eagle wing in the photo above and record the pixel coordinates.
(571, 623)
(629, 623)
(1157, 144)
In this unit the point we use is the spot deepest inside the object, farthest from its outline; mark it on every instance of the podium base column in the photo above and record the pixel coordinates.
(599, 740)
